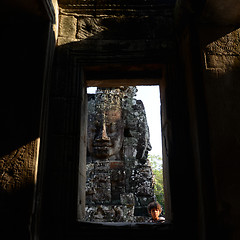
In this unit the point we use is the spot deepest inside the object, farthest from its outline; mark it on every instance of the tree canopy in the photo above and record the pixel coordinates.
(156, 164)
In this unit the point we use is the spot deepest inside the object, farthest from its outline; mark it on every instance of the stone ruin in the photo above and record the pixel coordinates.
(119, 182)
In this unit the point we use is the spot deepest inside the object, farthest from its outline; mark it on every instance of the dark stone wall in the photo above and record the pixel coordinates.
(221, 87)
(200, 115)
(118, 32)
(24, 70)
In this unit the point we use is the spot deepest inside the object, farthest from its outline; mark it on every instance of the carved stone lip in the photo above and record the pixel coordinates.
(102, 145)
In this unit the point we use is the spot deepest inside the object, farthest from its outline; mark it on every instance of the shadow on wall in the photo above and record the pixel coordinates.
(117, 37)
(24, 45)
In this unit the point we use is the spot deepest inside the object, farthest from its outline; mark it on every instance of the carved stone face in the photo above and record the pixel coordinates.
(105, 132)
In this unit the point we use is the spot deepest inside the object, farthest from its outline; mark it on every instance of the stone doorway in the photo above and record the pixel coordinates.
(110, 76)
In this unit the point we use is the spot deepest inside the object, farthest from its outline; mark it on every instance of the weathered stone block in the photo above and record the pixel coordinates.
(222, 62)
(90, 188)
(128, 213)
(144, 190)
(112, 213)
(89, 28)
(130, 147)
(67, 26)
(18, 168)
(100, 188)
(101, 166)
(116, 165)
(118, 176)
(144, 201)
(101, 178)
(99, 213)
(127, 199)
(102, 194)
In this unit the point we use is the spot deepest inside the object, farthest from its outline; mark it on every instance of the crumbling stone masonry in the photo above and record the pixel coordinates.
(119, 178)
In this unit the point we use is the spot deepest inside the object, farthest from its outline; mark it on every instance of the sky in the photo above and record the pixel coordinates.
(150, 97)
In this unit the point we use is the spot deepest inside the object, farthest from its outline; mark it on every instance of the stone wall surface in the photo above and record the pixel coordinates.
(117, 30)
(18, 168)
(222, 94)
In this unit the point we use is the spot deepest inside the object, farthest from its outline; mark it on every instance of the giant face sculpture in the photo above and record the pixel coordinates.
(118, 178)
(105, 126)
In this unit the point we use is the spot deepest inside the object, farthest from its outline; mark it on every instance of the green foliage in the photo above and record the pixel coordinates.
(156, 164)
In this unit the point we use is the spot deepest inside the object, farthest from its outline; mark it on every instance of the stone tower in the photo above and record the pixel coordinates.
(119, 178)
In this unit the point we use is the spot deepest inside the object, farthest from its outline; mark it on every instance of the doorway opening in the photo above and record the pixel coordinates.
(124, 158)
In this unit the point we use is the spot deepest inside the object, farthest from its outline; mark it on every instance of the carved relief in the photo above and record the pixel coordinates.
(89, 27)
(226, 45)
(224, 53)
(17, 169)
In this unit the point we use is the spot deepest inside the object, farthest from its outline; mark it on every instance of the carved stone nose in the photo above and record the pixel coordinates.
(103, 134)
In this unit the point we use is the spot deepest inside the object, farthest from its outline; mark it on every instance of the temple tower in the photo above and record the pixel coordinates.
(119, 178)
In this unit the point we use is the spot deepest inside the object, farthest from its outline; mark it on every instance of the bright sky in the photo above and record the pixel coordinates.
(150, 95)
